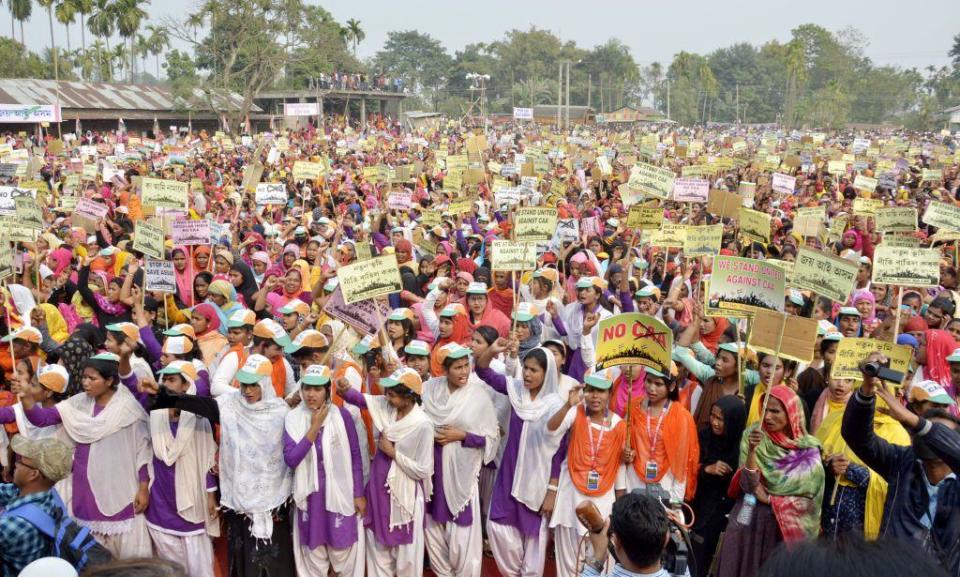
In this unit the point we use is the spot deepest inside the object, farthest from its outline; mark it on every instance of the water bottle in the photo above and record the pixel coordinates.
(745, 516)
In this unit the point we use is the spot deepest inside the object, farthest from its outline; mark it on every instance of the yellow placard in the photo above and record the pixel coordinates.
(896, 219)
(942, 215)
(853, 350)
(535, 223)
(914, 267)
(670, 235)
(634, 339)
(825, 274)
(755, 225)
(866, 206)
(702, 240)
(647, 218)
(509, 255)
(370, 278)
(163, 193)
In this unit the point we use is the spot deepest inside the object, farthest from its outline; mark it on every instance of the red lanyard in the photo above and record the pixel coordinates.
(656, 433)
(595, 449)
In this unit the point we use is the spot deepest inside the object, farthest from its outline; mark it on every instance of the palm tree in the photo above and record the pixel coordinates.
(48, 4)
(159, 40)
(83, 7)
(355, 33)
(129, 17)
(99, 49)
(21, 10)
(84, 62)
(66, 12)
(102, 24)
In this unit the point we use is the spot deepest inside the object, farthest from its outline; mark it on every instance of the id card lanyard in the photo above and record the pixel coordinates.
(651, 467)
(593, 476)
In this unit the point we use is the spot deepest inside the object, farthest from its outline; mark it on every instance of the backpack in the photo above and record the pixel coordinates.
(71, 542)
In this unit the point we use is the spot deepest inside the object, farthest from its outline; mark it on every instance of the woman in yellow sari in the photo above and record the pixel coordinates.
(854, 494)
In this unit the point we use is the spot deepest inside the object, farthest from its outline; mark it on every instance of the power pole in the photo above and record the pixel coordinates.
(668, 99)
(567, 119)
(601, 93)
(738, 104)
(559, 91)
(589, 89)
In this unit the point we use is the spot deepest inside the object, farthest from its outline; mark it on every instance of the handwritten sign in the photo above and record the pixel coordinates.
(400, 200)
(867, 183)
(303, 170)
(162, 193)
(190, 232)
(510, 255)
(148, 239)
(371, 278)
(784, 183)
(691, 190)
(652, 180)
(853, 350)
(866, 206)
(644, 217)
(535, 223)
(940, 215)
(160, 276)
(824, 274)
(268, 193)
(915, 267)
(702, 240)
(90, 209)
(896, 219)
(746, 284)
(361, 315)
(901, 239)
(634, 339)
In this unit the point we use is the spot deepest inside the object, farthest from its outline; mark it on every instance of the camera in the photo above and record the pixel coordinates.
(882, 371)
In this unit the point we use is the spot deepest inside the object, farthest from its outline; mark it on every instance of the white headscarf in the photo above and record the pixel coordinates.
(537, 447)
(254, 479)
(413, 438)
(337, 457)
(470, 409)
(192, 453)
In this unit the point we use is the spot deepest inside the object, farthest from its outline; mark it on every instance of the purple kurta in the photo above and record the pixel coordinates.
(575, 365)
(504, 508)
(377, 517)
(317, 526)
(162, 511)
(84, 503)
(153, 353)
(437, 507)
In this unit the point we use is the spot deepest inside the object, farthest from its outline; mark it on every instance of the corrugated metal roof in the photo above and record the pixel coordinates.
(103, 96)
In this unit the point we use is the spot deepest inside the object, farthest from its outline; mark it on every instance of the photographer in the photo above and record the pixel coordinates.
(638, 532)
(921, 504)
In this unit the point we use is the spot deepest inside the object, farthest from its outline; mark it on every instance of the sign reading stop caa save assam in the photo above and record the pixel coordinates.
(634, 339)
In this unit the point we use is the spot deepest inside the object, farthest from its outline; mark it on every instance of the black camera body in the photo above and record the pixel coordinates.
(677, 554)
(882, 371)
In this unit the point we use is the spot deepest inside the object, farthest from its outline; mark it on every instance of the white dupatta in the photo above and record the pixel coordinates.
(338, 489)
(192, 453)
(254, 479)
(469, 409)
(119, 442)
(537, 446)
(413, 439)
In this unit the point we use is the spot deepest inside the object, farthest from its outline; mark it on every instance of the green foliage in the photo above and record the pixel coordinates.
(17, 62)
(416, 57)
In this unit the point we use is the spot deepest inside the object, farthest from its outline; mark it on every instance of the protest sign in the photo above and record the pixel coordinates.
(702, 240)
(746, 284)
(724, 204)
(690, 190)
(634, 339)
(670, 235)
(362, 315)
(28, 211)
(853, 350)
(652, 180)
(160, 276)
(644, 217)
(755, 225)
(784, 183)
(748, 193)
(399, 200)
(628, 195)
(809, 219)
(534, 223)
(8, 194)
(17, 232)
(303, 170)
(915, 267)
(271, 193)
(508, 255)
(190, 232)
(370, 278)
(148, 239)
(867, 183)
(6, 257)
(866, 206)
(901, 239)
(252, 174)
(896, 219)
(430, 218)
(942, 215)
(364, 250)
(461, 206)
(787, 336)
(568, 230)
(162, 193)
(90, 209)
(825, 274)
(931, 174)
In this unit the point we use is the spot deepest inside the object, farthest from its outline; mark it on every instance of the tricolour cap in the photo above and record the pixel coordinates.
(242, 318)
(930, 391)
(185, 369)
(406, 377)
(295, 306)
(29, 334)
(525, 312)
(477, 288)
(129, 330)
(316, 375)
(271, 329)
(401, 314)
(591, 282)
(178, 345)
(364, 345)
(600, 379)
(180, 330)
(453, 310)
(53, 377)
(954, 357)
(417, 347)
(309, 338)
(254, 370)
(451, 351)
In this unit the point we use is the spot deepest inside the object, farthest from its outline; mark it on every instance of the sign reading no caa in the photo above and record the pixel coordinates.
(634, 339)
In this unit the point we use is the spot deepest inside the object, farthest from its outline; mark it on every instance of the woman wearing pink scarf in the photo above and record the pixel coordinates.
(866, 303)
(59, 259)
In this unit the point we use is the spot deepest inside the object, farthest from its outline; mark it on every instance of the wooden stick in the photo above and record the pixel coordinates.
(333, 346)
(628, 412)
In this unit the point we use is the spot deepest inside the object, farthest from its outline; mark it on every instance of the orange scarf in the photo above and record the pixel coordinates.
(580, 462)
(677, 449)
(279, 376)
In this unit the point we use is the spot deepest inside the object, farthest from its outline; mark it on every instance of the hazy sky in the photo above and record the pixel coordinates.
(900, 33)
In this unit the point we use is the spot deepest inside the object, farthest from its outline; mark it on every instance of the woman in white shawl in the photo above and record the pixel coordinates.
(570, 322)
(321, 445)
(399, 482)
(255, 483)
(526, 485)
(110, 480)
(467, 436)
(182, 516)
